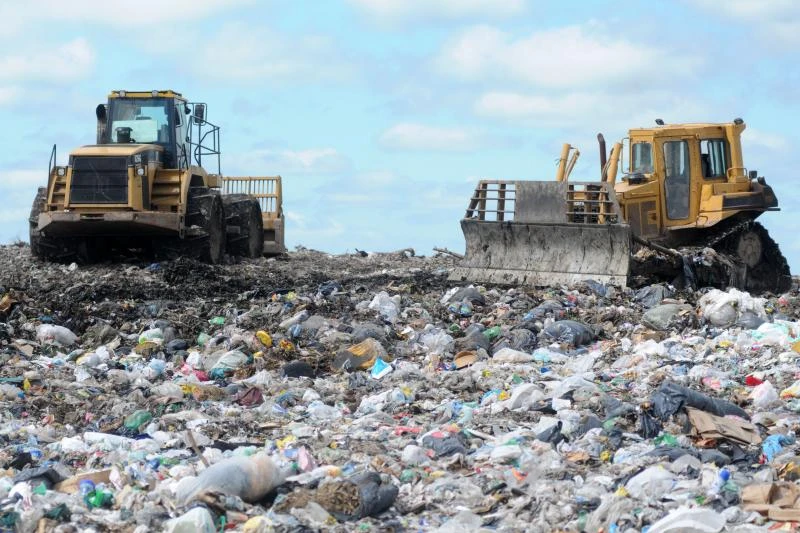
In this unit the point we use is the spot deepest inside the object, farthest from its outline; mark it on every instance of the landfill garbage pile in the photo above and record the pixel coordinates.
(367, 393)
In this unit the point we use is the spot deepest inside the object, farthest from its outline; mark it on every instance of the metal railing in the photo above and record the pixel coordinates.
(592, 203)
(493, 200)
(584, 202)
(266, 189)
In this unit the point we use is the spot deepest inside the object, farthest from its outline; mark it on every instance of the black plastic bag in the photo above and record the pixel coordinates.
(652, 295)
(448, 445)
(569, 332)
(671, 398)
(649, 427)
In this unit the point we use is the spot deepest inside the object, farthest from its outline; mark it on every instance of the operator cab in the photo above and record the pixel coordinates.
(156, 117)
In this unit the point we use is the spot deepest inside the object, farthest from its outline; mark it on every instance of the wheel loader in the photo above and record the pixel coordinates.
(143, 186)
(684, 211)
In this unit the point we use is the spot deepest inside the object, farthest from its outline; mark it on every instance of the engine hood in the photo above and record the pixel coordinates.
(115, 149)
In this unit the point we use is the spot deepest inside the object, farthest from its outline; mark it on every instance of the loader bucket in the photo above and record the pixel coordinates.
(269, 193)
(544, 233)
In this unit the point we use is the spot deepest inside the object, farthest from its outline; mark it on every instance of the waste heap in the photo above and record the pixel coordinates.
(366, 392)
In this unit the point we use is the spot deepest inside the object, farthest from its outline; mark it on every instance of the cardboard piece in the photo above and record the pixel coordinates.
(70, 485)
(778, 501)
(708, 426)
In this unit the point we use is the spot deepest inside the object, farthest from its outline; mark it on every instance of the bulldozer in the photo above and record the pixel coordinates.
(684, 211)
(143, 186)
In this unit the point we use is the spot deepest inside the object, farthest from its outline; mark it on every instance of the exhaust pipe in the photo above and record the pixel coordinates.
(602, 142)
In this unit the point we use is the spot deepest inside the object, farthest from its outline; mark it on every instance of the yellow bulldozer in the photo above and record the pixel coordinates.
(684, 210)
(143, 186)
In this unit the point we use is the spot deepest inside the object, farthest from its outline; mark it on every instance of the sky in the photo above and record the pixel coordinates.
(382, 115)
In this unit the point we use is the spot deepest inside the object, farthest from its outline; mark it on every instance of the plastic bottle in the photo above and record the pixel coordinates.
(85, 487)
(249, 478)
(722, 478)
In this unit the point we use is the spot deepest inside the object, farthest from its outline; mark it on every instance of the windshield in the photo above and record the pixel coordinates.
(642, 158)
(139, 120)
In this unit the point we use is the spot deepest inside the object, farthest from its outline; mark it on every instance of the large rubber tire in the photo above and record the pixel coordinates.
(206, 220)
(246, 228)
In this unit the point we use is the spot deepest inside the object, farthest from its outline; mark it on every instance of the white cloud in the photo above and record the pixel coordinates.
(248, 52)
(776, 21)
(24, 178)
(66, 62)
(412, 136)
(117, 13)
(402, 10)
(571, 56)
(587, 111)
(8, 95)
(312, 161)
(765, 139)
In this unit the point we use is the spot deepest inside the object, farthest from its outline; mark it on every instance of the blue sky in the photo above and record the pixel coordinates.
(382, 114)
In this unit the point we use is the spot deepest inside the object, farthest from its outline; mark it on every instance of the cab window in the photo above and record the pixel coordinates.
(713, 158)
(139, 120)
(642, 160)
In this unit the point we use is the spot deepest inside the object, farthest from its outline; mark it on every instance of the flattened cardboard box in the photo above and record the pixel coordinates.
(708, 426)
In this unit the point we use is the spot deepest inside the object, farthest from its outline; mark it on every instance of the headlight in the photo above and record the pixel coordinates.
(140, 171)
(61, 172)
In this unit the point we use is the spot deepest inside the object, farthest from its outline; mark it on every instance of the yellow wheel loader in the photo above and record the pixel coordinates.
(143, 186)
(684, 209)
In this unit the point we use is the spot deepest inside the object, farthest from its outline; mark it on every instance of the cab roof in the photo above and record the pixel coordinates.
(688, 128)
(156, 93)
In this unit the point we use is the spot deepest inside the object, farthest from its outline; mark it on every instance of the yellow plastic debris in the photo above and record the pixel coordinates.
(264, 338)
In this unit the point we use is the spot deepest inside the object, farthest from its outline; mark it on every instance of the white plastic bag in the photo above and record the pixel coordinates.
(49, 333)
(387, 306)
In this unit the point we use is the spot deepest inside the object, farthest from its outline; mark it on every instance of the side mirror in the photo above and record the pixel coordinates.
(199, 113)
(186, 109)
(753, 174)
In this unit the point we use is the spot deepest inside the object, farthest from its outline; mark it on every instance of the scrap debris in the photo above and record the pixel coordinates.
(368, 392)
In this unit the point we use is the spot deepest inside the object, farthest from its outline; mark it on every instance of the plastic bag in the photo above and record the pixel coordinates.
(773, 445)
(510, 355)
(387, 306)
(197, 520)
(671, 397)
(230, 361)
(649, 427)
(570, 332)
(763, 395)
(651, 296)
(49, 333)
(249, 478)
(652, 482)
(437, 343)
(662, 316)
(723, 308)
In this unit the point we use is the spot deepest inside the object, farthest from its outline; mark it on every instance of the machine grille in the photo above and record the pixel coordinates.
(99, 180)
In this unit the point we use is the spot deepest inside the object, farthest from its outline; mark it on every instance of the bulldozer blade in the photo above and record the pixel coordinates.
(543, 245)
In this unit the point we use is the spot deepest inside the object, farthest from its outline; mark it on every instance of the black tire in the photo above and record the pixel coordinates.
(206, 225)
(245, 227)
